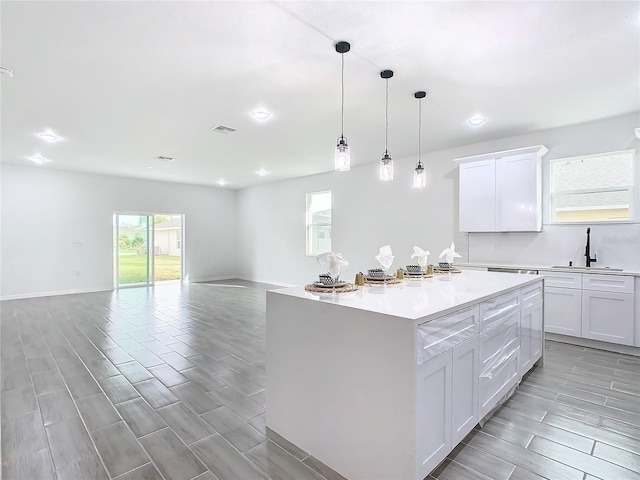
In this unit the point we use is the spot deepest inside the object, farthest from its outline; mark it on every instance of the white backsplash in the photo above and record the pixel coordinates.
(616, 246)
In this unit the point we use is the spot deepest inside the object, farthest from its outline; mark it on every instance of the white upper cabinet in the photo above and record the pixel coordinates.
(478, 194)
(501, 191)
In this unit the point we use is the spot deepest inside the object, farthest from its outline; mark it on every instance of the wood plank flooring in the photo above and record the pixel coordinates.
(168, 383)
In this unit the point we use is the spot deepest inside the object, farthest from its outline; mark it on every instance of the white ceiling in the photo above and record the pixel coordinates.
(125, 82)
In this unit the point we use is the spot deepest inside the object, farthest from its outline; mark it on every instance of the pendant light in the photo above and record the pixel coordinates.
(386, 164)
(419, 174)
(343, 156)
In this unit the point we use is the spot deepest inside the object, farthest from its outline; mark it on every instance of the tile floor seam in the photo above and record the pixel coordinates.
(99, 455)
(95, 447)
(44, 430)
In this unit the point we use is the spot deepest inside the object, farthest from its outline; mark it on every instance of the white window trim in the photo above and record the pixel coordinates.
(634, 213)
(308, 223)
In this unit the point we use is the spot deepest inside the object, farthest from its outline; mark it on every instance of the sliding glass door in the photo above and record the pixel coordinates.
(167, 247)
(147, 248)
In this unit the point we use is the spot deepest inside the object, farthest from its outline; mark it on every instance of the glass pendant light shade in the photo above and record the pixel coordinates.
(343, 156)
(386, 168)
(419, 177)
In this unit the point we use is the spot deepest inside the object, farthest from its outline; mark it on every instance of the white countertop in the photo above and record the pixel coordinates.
(423, 299)
(550, 268)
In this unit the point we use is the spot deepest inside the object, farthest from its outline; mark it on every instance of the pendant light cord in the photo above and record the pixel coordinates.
(419, 132)
(386, 119)
(342, 101)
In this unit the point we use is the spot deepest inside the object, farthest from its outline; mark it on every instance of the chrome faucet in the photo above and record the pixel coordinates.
(587, 252)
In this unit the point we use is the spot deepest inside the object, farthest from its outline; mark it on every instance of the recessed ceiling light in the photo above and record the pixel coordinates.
(261, 115)
(222, 182)
(262, 172)
(49, 136)
(148, 166)
(476, 121)
(6, 71)
(38, 159)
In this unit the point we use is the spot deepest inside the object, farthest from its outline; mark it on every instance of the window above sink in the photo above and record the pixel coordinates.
(593, 188)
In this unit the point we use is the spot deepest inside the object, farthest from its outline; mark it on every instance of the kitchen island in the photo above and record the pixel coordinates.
(384, 382)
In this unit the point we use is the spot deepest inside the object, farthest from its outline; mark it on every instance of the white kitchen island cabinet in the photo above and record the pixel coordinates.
(384, 382)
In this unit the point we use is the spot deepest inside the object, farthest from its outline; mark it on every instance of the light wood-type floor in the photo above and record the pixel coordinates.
(168, 383)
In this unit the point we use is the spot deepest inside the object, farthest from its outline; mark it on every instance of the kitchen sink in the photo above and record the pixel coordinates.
(588, 269)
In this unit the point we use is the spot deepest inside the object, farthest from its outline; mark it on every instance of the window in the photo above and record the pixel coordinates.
(593, 188)
(318, 222)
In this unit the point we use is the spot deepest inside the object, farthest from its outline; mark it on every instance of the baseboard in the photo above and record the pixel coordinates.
(268, 282)
(210, 279)
(20, 296)
(587, 342)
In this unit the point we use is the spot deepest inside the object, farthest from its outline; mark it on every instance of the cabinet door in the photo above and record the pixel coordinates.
(607, 316)
(563, 311)
(518, 194)
(530, 336)
(433, 412)
(465, 398)
(477, 197)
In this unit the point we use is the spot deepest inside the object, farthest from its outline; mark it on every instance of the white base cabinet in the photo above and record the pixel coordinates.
(447, 402)
(563, 311)
(594, 306)
(433, 412)
(465, 389)
(531, 336)
(607, 316)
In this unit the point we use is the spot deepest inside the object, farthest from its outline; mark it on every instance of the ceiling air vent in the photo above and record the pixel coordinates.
(166, 159)
(222, 129)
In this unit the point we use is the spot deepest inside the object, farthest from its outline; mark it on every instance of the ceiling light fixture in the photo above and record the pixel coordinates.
(38, 159)
(386, 164)
(222, 129)
(476, 121)
(261, 115)
(6, 71)
(262, 172)
(419, 174)
(222, 182)
(342, 156)
(49, 136)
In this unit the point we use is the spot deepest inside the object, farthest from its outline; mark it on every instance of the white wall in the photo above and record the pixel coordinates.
(368, 213)
(44, 211)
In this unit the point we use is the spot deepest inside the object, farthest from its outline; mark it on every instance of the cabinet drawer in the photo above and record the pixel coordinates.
(496, 339)
(496, 381)
(443, 333)
(493, 310)
(608, 283)
(530, 295)
(562, 279)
